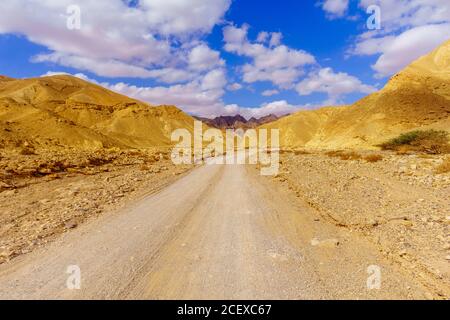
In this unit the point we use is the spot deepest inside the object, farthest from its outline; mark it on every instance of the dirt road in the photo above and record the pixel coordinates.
(221, 232)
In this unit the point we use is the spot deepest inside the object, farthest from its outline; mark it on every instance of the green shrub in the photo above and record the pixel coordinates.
(428, 141)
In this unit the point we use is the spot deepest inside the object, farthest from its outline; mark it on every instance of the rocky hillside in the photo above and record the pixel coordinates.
(64, 111)
(417, 97)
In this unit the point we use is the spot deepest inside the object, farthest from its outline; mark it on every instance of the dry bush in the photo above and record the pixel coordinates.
(429, 142)
(350, 156)
(295, 152)
(145, 167)
(344, 155)
(27, 151)
(444, 167)
(334, 153)
(373, 158)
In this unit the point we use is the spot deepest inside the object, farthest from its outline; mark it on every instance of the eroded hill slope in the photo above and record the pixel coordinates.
(64, 111)
(417, 97)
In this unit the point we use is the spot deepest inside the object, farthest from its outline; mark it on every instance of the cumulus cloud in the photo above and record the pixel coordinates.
(335, 8)
(335, 85)
(115, 39)
(203, 58)
(269, 93)
(193, 97)
(401, 14)
(278, 108)
(408, 46)
(235, 87)
(409, 29)
(182, 17)
(275, 39)
(272, 62)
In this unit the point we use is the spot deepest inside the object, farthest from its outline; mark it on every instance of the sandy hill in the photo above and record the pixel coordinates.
(417, 97)
(64, 111)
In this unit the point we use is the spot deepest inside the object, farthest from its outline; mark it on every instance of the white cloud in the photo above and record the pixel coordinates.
(214, 79)
(269, 93)
(278, 108)
(275, 63)
(235, 87)
(114, 39)
(401, 14)
(262, 37)
(409, 29)
(335, 85)
(193, 98)
(181, 17)
(283, 77)
(409, 46)
(275, 39)
(335, 8)
(203, 58)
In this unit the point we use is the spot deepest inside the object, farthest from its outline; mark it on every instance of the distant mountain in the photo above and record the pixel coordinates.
(237, 121)
(418, 97)
(5, 78)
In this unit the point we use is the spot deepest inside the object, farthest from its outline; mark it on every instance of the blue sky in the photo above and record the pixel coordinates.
(212, 57)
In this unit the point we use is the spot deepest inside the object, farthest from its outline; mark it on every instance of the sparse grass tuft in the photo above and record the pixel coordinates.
(334, 153)
(344, 155)
(444, 167)
(373, 158)
(428, 141)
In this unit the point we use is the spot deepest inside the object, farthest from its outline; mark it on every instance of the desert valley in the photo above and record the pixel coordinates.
(86, 178)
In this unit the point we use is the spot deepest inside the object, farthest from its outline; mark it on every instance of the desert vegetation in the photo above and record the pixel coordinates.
(424, 141)
(444, 167)
(373, 158)
(351, 155)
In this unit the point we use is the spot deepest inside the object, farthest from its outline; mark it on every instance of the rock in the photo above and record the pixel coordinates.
(71, 224)
(156, 170)
(5, 253)
(402, 253)
(329, 243)
(9, 193)
(5, 186)
(45, 171)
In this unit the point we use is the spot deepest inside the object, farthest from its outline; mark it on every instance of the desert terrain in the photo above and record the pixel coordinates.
(86, 179)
